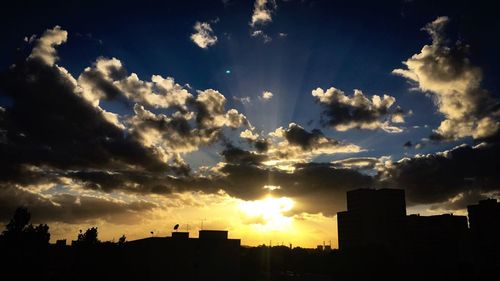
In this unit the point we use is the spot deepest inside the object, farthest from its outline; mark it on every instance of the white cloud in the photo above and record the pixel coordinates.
(249, 135)
(445, 71)
(262, 12)
(266, 95)
(107, 79)
(44, 47)
(203, 36)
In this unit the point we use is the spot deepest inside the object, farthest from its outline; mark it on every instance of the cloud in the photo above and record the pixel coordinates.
(235, 155)
(55, 133)
(408, 145)
(69, 208)
(440, 177)
(283, 148)
(249, 135)
(297, 145)
(203, 36)
(262, 12)
(44, 46)
(259, 33)
(266, 95)
(48, 121)
(358, 162)
(71, 160)
(109, 80)
(55, 128)
(343, 112)
(445, 71)
(185, 132)
(244, 100)
(316, 187)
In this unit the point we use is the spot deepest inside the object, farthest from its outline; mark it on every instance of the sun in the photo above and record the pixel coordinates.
(267, 214)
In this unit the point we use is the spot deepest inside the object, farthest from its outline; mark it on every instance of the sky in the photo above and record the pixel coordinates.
(250, 116)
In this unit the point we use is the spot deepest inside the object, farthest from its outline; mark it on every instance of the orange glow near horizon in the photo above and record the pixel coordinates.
(255, 222)
(268, 214)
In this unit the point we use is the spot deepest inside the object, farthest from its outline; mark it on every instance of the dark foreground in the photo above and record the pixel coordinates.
(160, 260)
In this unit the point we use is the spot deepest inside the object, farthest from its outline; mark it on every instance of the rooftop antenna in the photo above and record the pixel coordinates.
(202, 223)
(176, 227)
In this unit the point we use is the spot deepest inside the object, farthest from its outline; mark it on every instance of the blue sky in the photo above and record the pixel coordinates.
(345, 44)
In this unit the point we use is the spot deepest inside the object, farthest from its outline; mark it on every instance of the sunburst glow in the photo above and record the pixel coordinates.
(268, 214)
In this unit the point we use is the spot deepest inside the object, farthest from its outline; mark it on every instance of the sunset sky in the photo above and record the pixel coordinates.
(250, 116)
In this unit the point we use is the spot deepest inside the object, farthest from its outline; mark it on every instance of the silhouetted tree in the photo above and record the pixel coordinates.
(19, 231)
(18, 222)
(122, 240)
(37, 235)
(89, 237)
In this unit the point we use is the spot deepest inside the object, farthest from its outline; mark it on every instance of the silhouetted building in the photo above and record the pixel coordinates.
(212, 256)
(484, 222)
(61, 243)
(213, 234)
(435, 239)
(374, 217)
(180, 235)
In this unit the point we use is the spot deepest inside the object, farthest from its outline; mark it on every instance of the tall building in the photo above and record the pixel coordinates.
(376, 220)
(484, 222)
(374, 217)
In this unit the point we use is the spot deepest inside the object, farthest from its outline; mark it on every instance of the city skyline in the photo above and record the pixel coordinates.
(254, 117)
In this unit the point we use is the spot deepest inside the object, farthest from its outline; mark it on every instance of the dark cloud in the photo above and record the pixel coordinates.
(235, 155)
(53, 127)
(49, 125)
(440, 177)
(261, 145)
(296, 135)
(343, 112)
(295, 144)
(408, 144)
(69, 208)
(318, 187)
(461, 201)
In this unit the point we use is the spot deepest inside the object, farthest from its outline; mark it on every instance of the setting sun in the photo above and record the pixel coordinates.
(268, 214)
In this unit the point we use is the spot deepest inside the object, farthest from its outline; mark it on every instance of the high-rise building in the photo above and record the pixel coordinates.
(374, 217)
(484, 223)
